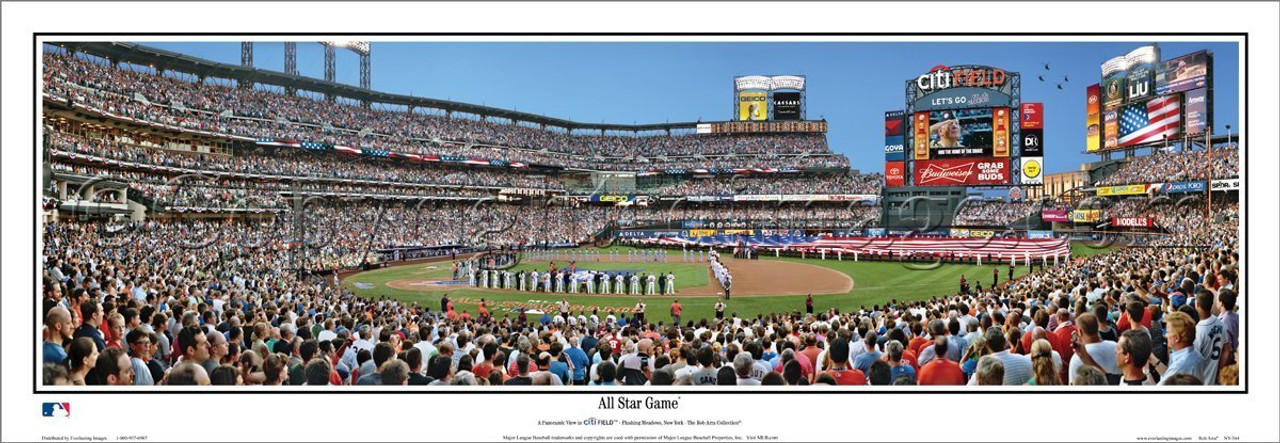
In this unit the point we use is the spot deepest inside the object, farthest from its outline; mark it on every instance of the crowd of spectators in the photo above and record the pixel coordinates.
(797, 214)
(993, 212)
(1167, 167)
(153, 311)
(292, 164)
(1176, 215)
(263, 113)
(834, 183)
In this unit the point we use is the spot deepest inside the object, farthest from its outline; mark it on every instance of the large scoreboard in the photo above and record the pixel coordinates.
(1142, 100)
(775, 98)
(964, 125)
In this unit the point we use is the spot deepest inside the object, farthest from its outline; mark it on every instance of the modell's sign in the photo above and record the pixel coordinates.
(1132, 222)
(961, 172)
(942, 77)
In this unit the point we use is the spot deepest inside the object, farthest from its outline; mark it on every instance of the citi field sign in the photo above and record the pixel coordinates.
(942, 77)
(961, 86)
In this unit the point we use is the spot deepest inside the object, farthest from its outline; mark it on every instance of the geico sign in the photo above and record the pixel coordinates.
(942, 77)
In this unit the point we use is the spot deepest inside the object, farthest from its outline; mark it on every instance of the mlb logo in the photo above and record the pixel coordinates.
(50, 408)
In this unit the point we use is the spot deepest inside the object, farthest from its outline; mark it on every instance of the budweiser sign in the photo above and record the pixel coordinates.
(960, 172)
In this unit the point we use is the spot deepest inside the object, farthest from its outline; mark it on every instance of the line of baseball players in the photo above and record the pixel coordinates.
(572, 281)
(721, 273)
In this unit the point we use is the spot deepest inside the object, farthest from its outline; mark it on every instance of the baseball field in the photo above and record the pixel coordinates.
(767, 285)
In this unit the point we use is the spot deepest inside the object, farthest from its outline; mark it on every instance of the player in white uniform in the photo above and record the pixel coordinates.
(617, 284)
(650, 287)
(671, 284)
(635, 285)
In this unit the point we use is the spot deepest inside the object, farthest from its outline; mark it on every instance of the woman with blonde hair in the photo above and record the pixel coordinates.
(976, 350)
(1044, 371)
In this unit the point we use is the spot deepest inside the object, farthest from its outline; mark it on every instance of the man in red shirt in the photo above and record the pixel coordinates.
(676, 309)
(917, 341)
(1066, 328)
(939, 370)
(840, 370)
(811, 350)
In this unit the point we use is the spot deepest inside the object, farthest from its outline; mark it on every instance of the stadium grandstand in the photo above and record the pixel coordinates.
(205, 234)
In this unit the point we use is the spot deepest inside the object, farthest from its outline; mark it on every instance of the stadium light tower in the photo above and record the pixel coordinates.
(291, 63)
(360, 47)
(246, 60)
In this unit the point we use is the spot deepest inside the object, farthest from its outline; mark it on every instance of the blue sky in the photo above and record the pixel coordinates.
(851, 84)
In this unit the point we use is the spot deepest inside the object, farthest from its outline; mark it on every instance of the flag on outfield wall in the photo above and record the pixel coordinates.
(1152, 122)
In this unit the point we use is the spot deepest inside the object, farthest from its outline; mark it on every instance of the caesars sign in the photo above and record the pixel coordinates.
(786, 106)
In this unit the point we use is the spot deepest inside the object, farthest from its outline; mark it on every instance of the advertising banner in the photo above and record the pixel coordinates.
(962, 172)
(702, 232)
(1032, 142)
(1113, 91)
(753, 105)
(1085, 215)
(893, 123)
(1139, 82)
(982, 233)
(1184, 73)
(693, 224)
(612, 198)
(1032, 170)
(893, 146)
(1181, 187)
(852, 197)
(739, 232)
(804, 197)
(968, 133)
(1225, 185)
(710, 198)
(1133, 222)
(704, 128)
(874, 232)
(1039, 234)
(757, 198)
(1092, 115)
(1000, 143)
(893, 138)
(959, 233)
(1106, 191)
(1032, 116)
(895, 174)
(1154, 121)
(786, 106)
(1197, 112)
(1111, 132)
(1054, 215)
(920, 143)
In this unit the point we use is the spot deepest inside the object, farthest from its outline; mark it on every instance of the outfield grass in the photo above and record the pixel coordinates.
(875, 283)
(1081, 249)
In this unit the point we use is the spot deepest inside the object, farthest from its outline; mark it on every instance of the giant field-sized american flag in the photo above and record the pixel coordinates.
(1150, 122)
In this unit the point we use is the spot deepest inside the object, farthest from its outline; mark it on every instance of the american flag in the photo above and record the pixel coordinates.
(1150, 123)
